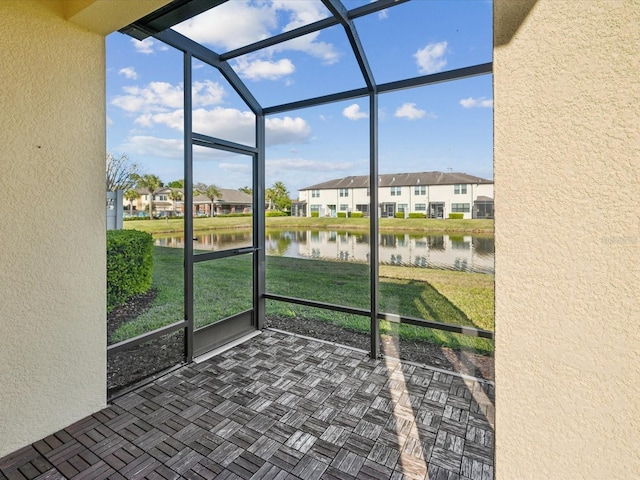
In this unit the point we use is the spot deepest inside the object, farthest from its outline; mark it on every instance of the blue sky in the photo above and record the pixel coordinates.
(439, 127)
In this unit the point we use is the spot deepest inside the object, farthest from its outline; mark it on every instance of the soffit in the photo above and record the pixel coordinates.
(107, 16)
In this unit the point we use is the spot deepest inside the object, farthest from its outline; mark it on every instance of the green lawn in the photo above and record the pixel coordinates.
(176, 225)
(223, 287)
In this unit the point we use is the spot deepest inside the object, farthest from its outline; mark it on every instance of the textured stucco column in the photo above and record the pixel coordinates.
(567, 180)
(52, 243)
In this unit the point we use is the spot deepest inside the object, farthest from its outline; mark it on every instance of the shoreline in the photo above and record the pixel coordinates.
(412, 225)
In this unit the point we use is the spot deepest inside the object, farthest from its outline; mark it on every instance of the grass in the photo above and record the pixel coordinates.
(176, 225)
(223, 287)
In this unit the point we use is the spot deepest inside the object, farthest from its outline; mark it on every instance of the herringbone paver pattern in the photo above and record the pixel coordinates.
(279, 407)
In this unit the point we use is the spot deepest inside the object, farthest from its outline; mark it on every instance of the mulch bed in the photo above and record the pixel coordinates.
(424, 353)
(128, 367)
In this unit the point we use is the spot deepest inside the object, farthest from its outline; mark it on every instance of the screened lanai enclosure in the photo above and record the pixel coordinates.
(399, 289)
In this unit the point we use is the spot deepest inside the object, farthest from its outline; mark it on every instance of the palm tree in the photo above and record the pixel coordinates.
(131, 195)
(150, 183)
(175, 196)
(278, 196)
(211, 192)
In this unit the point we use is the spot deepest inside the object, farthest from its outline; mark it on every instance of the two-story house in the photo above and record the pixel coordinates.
(434, 194)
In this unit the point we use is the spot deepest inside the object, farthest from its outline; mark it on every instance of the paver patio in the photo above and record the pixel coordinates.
(280, 407)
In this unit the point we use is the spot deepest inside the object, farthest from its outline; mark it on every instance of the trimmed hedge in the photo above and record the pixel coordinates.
(357, 214)
(456, 216)
(315, 214)
(275, 213)
(417, 215)
(129, 265)
(342, 214)
(399, 215)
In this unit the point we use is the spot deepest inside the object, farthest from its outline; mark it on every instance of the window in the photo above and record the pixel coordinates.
(459, 189)
(402, 207)
(344, 207)
(363, 207)
(314, 208)
(460, 207)
(396, 191)
(344, 192)
(420, 190)
(162, 198)
(420, 207)
(315, 193)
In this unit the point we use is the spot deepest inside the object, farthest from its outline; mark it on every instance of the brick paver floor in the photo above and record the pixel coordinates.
(280, 407)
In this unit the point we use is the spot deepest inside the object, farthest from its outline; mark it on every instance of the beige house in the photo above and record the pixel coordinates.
(566, 150)
(164, 204)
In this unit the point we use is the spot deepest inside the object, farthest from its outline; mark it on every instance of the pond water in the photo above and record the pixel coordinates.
(463, 252)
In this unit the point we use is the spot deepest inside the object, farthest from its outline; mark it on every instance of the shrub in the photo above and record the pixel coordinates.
(357, 214)
(129, 265)
(275, 213)
(342, 214)
(399, 215)
(315, 214)
(417, 215)
(237, 215)
(456, 216)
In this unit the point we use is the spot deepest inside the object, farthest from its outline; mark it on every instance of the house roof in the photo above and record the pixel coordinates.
(228, 196)
(401, 179)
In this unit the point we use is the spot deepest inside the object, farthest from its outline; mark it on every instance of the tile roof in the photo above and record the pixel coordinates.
(401, 179)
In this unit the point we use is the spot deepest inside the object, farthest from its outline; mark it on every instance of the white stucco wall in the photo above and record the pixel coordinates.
(52, 245)
(567, 175)
(434, 193)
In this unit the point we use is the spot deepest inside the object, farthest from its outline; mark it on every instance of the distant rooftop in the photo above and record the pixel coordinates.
(401, 179)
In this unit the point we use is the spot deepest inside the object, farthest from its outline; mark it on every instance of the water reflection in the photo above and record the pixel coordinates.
(450, 252)
(447, 251)
(211, 241)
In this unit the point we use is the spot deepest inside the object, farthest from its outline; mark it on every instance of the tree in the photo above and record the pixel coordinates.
(210, 191)
(176, 184)
(278, 195)
(247, 190)
(131, 195)
(150, 183)
(175, 195)
(120, 172)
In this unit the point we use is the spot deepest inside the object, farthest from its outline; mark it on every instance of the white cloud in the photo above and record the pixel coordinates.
(163, 96)
(430, 59)
(233, 124)
(153, 146)
(383, 14)
(308, 44)
(480, 102)
(143, 46)
(288, 164)
(411, 112)
(352, 112)
(231, 25)
(128, 72)
(300, 13)
(263, 69)
(109, 121)
(207, 93)
(241, 22)
(286, 130)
